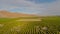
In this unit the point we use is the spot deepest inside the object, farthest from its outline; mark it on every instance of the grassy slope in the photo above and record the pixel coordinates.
(52, 22)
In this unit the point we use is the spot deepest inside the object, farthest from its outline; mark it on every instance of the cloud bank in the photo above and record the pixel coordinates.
(41, 7)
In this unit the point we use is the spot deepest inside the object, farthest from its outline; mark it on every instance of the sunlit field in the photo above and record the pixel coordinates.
(46, 25)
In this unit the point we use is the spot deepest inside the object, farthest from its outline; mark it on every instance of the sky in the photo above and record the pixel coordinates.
(39, 7)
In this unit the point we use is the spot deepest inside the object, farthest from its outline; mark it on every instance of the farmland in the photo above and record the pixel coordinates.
(46, 25)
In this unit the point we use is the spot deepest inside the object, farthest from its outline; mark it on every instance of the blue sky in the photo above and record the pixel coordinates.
(40, 7)
(42, 1)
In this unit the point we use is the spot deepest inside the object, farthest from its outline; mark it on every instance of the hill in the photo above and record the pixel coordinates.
(7, 14)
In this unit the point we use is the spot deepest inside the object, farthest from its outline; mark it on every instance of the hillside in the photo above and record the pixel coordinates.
(7, 14)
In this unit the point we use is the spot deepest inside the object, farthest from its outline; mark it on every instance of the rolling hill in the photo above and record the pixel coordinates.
(8, 14)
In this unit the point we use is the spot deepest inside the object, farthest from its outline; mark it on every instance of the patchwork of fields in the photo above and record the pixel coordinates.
(46, 25)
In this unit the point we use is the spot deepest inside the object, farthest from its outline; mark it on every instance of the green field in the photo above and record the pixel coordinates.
(48, 25)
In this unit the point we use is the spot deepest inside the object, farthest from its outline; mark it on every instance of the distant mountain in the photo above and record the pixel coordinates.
(7, 14)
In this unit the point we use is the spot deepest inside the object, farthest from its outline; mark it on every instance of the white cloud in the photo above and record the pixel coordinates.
(42, 8)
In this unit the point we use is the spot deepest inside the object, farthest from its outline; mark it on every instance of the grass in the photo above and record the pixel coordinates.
(11, 26)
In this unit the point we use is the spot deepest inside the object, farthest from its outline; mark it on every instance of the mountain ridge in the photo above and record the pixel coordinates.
(7, 14)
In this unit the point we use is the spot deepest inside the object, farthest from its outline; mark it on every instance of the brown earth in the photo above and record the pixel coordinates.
(7, 14)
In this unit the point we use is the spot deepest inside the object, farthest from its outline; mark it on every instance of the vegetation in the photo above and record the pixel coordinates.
(48, 25)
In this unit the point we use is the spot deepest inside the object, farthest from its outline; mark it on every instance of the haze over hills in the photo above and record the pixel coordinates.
(7, 14)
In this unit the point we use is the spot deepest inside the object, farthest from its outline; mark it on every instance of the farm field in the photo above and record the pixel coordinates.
(46, 25)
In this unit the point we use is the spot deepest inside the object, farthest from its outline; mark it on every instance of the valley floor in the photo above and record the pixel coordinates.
(51, 25)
